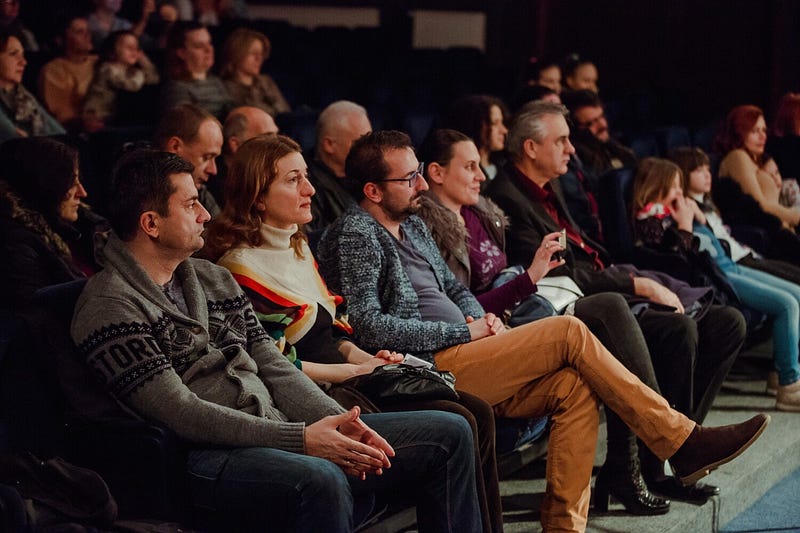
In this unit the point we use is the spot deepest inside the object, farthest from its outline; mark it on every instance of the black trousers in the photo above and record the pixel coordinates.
(608, 316)
(691, 358)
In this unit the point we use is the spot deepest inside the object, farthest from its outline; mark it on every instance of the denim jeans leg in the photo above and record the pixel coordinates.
(434, 467)
(255, 489)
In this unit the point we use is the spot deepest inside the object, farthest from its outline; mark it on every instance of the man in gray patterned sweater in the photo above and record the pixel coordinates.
(176, 341)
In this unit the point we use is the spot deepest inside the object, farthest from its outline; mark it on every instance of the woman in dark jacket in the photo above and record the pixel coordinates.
(47, 234)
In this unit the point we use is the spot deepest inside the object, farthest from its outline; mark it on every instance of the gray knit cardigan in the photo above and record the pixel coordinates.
(213, 377)
(358, 259)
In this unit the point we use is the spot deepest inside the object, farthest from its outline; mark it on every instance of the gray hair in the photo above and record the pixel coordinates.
(335, 115)
(527, 124)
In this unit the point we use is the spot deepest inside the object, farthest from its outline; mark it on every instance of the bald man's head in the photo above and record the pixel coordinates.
(244, 123)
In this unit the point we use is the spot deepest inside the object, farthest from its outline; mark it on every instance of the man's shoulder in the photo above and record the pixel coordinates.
(354, 219)
(502, 184)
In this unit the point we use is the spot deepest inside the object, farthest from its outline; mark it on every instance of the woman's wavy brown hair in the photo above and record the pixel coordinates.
(252, 171)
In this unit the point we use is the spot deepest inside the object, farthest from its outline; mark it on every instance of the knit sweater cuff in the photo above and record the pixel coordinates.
(290, 436)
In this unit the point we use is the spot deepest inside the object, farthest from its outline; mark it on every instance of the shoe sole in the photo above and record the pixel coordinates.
(789, 407)
(697, 475)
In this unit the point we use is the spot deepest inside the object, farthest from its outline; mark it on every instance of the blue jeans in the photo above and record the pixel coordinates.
(780, 299)
(260, 489)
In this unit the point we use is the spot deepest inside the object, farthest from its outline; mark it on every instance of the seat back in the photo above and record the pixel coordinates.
(613, 197)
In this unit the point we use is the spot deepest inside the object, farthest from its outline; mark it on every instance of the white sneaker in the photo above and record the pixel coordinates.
(772, 383)
(789, 397)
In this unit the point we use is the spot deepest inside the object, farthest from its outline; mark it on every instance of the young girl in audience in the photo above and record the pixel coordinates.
(664, 218)
(21, 115)
(258, 238)
(123, 67)
(244, 53)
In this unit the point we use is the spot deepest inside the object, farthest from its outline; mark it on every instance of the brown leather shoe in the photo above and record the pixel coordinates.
(707, 448)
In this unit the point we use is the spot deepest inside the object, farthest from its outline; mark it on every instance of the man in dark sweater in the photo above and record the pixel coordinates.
(176, 342)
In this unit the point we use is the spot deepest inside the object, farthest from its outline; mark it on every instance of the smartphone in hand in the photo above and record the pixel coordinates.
(562, 242)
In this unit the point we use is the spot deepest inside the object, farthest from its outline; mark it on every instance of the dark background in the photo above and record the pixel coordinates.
(699, 58)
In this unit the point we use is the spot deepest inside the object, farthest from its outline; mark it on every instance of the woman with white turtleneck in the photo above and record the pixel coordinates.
(258, 238)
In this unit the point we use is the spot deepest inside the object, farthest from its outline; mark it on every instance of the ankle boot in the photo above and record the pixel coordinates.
(708, 448)
(627, 487)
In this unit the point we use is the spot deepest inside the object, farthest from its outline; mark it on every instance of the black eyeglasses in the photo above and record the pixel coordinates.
(412, 176)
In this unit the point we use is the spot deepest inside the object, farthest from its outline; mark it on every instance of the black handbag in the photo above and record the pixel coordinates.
(399, 382)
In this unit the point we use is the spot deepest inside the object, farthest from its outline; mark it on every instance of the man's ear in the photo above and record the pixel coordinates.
(373, 192)
(435, 173)
(529, 147)
(174, 144)
(233, 144)
(327, 145)
(148, 223)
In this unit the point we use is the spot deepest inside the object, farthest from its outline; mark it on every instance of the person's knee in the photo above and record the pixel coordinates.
(682, 330)
(574, 392)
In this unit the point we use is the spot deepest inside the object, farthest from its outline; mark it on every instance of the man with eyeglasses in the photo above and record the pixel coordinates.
(383, 260)
(596, 149)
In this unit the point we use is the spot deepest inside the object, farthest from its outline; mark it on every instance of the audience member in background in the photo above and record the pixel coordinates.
(10, 22)
(103, 21)
(161, 22)
(215, 12)
(22, 115)
(538, 74)
(338, 126)
(692, 342)
(580, 74)
(243, 55)
(195, 135)
(784, 143)
(665, 219)
(383, 260)
(482, 118)
(47, 234)
(597, 150)
(123, 67)
(190, 56)
(259, 238)
(742, 142)
(265, 447)
(470, 232)
(241, 124)
(63, 82)
(746, 193)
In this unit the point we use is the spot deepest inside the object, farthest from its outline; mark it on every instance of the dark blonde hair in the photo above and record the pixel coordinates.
(250, 174)
(654, 178)
(236, 47)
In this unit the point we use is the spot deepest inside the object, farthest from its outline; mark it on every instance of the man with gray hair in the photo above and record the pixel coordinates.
(692, 342)
(338, 125)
